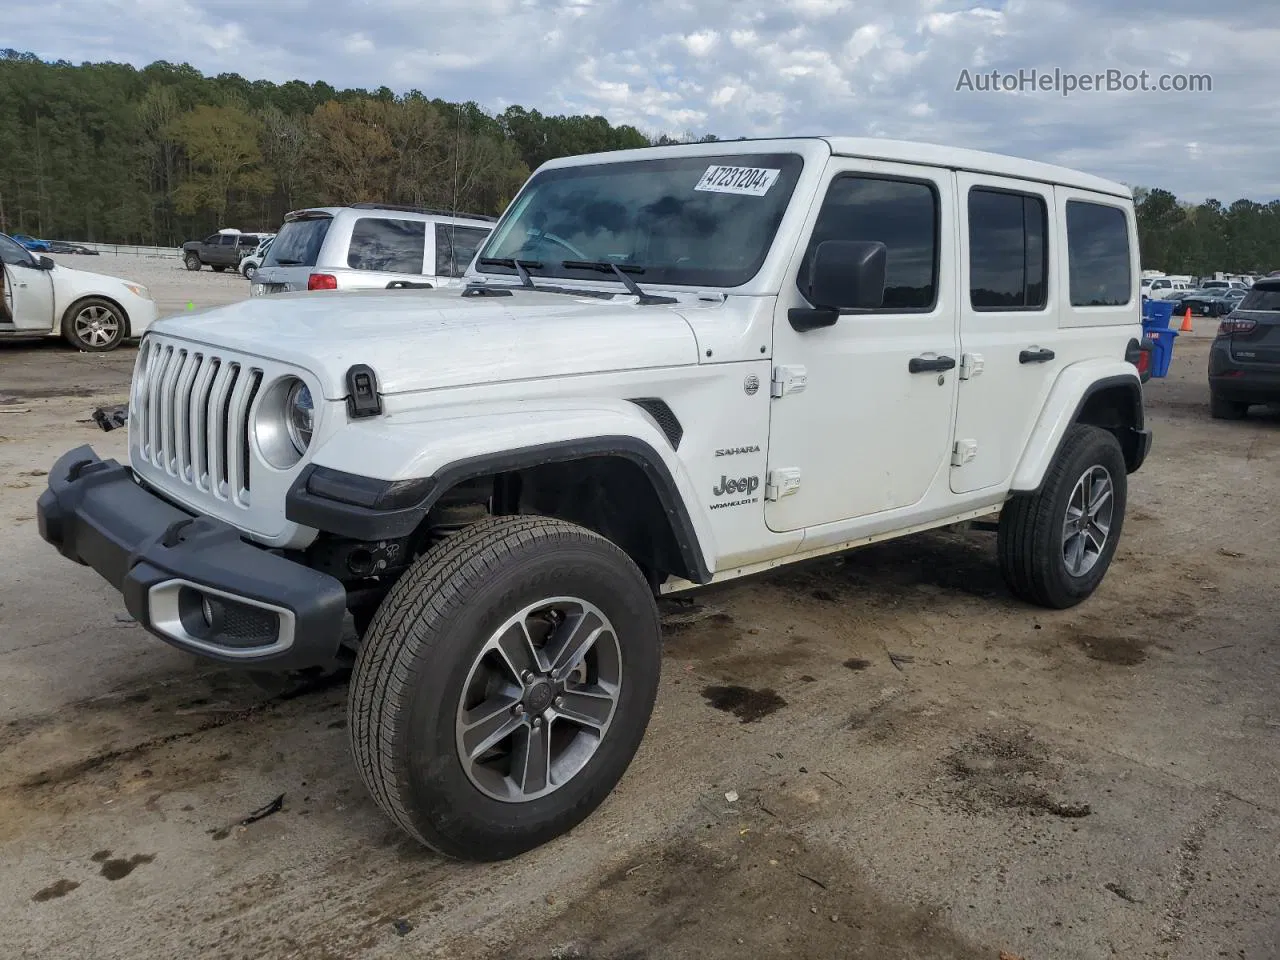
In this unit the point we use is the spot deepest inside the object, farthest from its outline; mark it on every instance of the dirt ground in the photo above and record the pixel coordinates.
(923, 768)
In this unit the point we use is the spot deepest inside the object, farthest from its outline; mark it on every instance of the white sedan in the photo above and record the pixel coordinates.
(42, 298)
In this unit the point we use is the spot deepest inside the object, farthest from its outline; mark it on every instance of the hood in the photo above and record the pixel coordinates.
(86, 279)
(431, 339)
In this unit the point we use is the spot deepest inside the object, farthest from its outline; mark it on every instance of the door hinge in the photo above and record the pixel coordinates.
(971, 365)
(963, 452)
(788, 379)
(781, 483)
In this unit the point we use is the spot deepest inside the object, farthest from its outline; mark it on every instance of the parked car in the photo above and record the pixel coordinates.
(250, 264)
(1244, 359)
(91, 311)
(1161, 288)
(1224, 285)
(220, 250)
(31, 243)
(61, 246)
(1205, 303)
(667, 368)
(370, 246)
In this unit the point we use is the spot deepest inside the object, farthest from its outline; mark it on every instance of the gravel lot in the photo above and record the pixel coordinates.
(929, 770)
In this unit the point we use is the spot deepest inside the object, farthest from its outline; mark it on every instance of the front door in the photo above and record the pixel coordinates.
(28, 290)
(1011, 348)
(870, 430)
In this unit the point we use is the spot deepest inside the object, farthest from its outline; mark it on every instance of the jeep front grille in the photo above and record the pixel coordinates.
(190, 416)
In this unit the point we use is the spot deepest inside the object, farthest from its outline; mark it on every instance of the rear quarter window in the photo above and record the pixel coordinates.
(1098, 255)
(387, 246)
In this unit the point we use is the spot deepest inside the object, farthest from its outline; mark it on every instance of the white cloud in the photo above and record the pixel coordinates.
(757, 68)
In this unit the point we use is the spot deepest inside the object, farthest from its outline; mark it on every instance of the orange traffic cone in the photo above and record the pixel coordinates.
(1186, 322)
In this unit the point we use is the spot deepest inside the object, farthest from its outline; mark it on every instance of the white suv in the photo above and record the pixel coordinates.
(671, 367)
(369, 246)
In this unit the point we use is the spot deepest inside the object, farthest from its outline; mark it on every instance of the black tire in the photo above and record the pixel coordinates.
(218, 267)
(1031, 542)
(418, 655)
(113, 329)
(192, 260)
(248, 270)
(1220, 408)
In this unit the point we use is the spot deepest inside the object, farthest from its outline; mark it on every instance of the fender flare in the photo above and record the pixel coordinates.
(363, 508)
(1066, 401)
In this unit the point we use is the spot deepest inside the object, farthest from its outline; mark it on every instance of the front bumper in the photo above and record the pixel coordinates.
(190, 580)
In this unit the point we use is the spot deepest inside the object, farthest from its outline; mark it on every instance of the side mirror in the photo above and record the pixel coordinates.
(45, 263)
(843, 275)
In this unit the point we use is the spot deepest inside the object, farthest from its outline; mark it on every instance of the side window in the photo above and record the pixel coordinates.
(901, 214)
(390, 246)
(14, 253)
(455, 248)
(214, 240)
(1008, 253)
(228, 240)
(1160, 285)
(1098, 255)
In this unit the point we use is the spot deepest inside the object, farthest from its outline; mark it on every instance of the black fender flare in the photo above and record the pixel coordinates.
(364, 508)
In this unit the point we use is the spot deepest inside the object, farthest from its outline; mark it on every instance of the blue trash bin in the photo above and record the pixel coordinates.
(1162, 352)
(1157, 313)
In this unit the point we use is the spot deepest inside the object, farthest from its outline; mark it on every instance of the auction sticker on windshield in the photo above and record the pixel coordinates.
(751, 181)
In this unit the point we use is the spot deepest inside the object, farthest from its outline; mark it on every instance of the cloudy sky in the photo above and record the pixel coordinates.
(762, 67)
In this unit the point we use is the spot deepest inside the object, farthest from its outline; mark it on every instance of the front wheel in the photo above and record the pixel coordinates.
(192, 261)
(249, 270)
(505, 685)
(1055, 545)
(95, 325)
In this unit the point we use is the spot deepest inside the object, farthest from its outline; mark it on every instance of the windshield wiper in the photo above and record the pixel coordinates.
(608, 266)
(521, 267)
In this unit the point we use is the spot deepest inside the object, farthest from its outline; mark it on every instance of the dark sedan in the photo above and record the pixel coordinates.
(1205, 303)
(1244, 360)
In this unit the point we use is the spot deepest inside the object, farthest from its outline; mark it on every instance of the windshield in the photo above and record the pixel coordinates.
(697, 221)
(298, 243)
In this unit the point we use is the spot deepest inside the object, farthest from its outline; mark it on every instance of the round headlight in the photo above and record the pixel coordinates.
(283, 423)
(300, 416)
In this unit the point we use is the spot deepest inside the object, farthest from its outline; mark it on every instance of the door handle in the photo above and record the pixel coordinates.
(931, 364)
(1035, 356)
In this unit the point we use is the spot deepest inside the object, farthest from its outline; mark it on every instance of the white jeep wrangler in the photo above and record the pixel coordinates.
(670, 367)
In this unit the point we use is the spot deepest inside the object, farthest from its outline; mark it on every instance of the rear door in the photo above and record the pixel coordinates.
(385, 252)
(1009, 336)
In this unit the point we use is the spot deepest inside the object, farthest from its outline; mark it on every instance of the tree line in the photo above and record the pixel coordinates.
(1199, 239)
(110, 153)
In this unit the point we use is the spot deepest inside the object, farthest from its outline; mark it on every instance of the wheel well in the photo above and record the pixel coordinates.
(610, 494)
(67, 313)
(1116, 408)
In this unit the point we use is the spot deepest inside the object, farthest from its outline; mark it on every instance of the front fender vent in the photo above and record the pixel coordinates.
(658, 409)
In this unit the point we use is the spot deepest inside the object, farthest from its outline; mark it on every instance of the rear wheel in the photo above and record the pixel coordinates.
(95, 325)
(1220, 408)
(504, 686)
(1055, 545)
(192, 261)
(249, 270)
